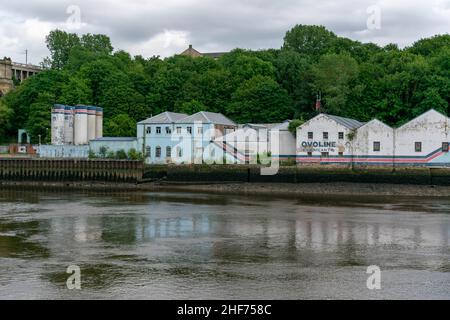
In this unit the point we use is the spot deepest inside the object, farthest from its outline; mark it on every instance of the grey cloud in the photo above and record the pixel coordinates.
(223, 25)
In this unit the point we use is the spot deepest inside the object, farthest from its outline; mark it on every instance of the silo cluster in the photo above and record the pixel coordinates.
(76, 125)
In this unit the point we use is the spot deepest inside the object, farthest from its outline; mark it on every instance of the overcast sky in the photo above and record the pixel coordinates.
(149, 27)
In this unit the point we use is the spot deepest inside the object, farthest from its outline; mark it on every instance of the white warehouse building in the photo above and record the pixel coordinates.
(328, 139)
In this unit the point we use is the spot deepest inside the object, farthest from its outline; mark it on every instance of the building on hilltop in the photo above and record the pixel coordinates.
(194, 53)
(10, 71)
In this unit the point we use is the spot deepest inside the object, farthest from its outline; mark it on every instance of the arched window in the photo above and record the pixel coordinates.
(179, 152)
(148, 151)
(158, 152)
(168, 152)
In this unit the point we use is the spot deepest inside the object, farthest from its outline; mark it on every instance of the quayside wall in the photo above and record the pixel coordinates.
(294, 174)
(70, 170)
(106, 170)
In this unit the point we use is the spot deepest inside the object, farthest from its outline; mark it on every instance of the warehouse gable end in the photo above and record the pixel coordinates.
(426, 117)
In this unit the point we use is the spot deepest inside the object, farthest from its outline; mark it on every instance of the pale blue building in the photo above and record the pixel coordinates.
(176, 137)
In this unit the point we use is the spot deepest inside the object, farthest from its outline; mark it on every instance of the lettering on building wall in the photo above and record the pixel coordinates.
(318, 146)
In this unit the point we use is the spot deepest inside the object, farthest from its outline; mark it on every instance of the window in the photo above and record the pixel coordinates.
(444, 146)
(168, 130)
(189, 130)
(179, 152)
(148, 151)
(168, 152)
(340, 135)
(325, 136)
(158, 152)
(149, 130)
(341, 154)
(325, 154)
(200, 130)
(418, 146)
(309, 154)
(158, 130)
(179, 130)
(376, 146)
(310, 135)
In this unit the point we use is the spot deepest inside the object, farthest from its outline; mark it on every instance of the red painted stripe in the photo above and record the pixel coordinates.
(372, 160)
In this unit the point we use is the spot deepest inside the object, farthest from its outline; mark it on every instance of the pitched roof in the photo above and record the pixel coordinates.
(214, 55)
(115, 139)
(207, 117)
(283, 125)
(165, 117)
(346, 122)
(376, 121)
(279, 125)
(195, 53)
(423, 115)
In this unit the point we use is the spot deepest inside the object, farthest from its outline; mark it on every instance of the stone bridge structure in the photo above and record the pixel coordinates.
(10, 71)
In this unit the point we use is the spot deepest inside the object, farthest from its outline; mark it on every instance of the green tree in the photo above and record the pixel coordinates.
(191, 107)
(430, 46)
(60, 44)
(120, 125)
(312, 41)
(294, 124)
(260, 99)
(97, 43)
(333, 76)
(75, 91)
(294, 73)
(6, 114)
(244, 67)
(39, 120)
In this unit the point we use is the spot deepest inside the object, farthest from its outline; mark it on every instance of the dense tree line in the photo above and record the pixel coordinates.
(354, 79)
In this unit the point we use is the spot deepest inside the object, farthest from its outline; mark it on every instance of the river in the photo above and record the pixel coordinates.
(164, 245)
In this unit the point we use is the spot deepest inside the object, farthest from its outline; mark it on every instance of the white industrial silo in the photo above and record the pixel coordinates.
(68, 124)
(92, 111)
(99, 123)
(81, 125)
(58, 124)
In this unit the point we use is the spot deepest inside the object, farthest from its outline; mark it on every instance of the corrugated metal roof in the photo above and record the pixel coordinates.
(283, 125)
(279, 125)
(207, 117)
(114, 139)
(346, 122)
(165, 117)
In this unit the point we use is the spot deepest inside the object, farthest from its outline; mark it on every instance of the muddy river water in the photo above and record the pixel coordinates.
(138, 245)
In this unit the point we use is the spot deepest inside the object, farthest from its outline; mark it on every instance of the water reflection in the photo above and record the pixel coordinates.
(167, 245)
